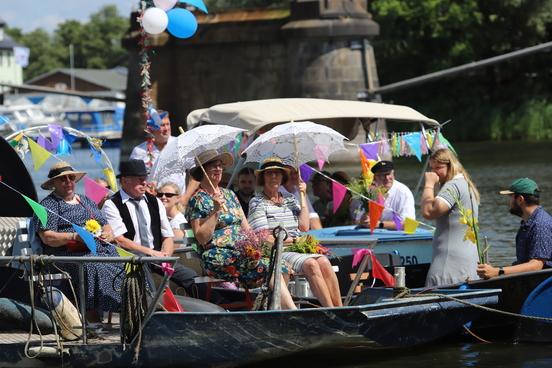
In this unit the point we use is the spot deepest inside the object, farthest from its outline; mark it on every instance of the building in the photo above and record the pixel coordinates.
(10, 71)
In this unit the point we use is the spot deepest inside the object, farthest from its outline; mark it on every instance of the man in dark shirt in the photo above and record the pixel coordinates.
(534, 237)
(246, 188)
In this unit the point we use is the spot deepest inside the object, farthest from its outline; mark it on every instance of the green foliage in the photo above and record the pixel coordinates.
(96, 43)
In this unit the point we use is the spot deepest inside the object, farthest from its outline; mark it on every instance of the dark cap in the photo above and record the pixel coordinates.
(132, 168)
(523, 186)
(382, 166)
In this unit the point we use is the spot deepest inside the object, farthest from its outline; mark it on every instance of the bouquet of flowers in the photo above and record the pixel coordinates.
(253, 245)
(93, 226)
(307, 244)
(364, 191)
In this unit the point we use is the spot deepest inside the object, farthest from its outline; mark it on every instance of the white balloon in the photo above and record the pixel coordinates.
(165, 4)
(155, 21)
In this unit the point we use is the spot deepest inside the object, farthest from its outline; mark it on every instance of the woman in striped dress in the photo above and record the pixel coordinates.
(271, 209)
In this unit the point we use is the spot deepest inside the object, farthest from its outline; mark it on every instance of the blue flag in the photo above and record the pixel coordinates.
(86, 237)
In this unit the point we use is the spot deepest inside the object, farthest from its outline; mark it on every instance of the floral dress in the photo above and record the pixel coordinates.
(222, 259)
(103, 280)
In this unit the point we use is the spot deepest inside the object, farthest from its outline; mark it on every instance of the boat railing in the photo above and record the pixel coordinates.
(29, 260)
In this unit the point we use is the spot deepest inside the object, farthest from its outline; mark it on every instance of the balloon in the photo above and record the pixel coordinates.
(182, 23)
(165, 4)
(154, 21)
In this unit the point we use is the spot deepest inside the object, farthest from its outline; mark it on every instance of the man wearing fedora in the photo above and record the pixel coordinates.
(398, 199)
(534, 237)
(139, 220)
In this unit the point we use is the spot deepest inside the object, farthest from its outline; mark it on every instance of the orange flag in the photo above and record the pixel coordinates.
(374, 210)
(364, 164)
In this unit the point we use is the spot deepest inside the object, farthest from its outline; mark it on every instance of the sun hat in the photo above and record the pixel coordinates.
(209, 156)
(272, 163)
(522, 186)
(132, 167)
(59, 169)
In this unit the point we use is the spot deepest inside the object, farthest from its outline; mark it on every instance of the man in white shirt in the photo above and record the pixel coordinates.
(291, 187)
(139, 220)
(398, 199)
(149, 150)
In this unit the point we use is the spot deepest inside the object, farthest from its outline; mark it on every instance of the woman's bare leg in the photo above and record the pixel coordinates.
(312, 271)
(331, 280)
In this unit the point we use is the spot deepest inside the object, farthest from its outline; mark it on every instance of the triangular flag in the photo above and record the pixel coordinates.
(370, 150)
(93, 190)
(56, 134)
(96, 154)
(237, 143)
(38, 209)
(39, 154)
(374, 211)
(410, 225)
(364, 165)
(45, 143)
(398, 221)
(338, 192)
(69, 137)
(64, 148)
(413, 141)
(86, 237)
(110, 178)
(170, 303)
(445, 141)
(321, 153)
(123, 252)
(306, 172)
(379, 272)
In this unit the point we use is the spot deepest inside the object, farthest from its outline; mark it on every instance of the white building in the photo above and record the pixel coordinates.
(10, 71)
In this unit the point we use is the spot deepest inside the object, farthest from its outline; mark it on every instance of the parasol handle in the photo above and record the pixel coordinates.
(224, 208)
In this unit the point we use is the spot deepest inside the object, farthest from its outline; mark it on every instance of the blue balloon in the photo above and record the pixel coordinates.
(182, 23)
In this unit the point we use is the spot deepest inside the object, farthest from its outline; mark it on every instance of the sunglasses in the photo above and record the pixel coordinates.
(168, 195)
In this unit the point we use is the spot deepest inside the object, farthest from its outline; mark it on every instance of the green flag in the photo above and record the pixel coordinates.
(38, 209)
(445, 141)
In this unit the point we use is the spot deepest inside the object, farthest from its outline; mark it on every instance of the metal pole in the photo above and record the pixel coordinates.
(72, 66)
(280, 234)
(82, 302)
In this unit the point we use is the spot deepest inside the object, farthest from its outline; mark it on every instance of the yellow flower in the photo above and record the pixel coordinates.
(93, 227)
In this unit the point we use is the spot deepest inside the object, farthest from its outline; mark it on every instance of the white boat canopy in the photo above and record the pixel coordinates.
(342, 115)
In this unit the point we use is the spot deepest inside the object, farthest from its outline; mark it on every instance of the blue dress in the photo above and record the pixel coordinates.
(103, 280)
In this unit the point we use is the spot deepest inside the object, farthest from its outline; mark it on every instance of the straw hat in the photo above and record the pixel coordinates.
(209, 156)
(272, 163)
(60, 169)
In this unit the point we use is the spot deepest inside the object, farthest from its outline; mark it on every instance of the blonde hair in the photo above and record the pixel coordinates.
(445, 156)
(176, 189)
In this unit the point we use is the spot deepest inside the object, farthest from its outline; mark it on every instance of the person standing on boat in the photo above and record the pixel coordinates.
(454, 257)
(272, 208)
(534, 237)
(218, 222)
(291, 186)
(398, 199)
(103, 280)
(140, 223)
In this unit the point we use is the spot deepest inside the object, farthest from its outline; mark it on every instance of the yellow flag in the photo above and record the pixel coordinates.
(39, 154)
(124, 253)
(410, 225)
(110, 178)
(18, 137)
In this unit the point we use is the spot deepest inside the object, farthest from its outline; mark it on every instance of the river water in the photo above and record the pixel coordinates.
(493, 166)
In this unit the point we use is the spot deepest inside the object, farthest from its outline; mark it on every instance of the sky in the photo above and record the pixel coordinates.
(47, 14)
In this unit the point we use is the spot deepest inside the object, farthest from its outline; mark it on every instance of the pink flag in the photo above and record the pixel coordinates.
(321, 153)
(381, 199)
(398, 221)
(338, 191)
(93, 190)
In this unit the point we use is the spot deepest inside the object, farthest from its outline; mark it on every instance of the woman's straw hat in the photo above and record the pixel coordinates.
(60, 169)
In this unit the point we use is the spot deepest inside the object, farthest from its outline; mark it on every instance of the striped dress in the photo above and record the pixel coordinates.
(265, 214)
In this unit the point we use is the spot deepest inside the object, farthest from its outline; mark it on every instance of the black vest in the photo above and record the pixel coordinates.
(153, 208)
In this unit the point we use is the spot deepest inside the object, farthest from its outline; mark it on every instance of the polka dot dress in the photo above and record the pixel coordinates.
(103, 280)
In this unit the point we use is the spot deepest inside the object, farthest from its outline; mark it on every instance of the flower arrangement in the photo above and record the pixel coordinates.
(93, 226)
(307, 244)
(253, 245)
(363, 190)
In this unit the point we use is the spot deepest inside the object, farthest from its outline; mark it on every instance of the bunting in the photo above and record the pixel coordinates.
(93, 190)
(410, 225)
(338, 193)
(398, 221)
(374, 211)
(110, 178)
(170, 303)
(378, 271)
(39, 154)
(86, 237)
(370, 150)
(414, 142)
(321, 153)
(446, 143)
(306, 172)
(38, 209)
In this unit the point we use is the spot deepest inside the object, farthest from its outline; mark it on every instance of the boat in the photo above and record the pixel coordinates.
(23, 116)
(188, 338)
(103, 123)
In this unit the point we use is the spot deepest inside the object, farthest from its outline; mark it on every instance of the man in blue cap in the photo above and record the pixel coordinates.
(534, 237)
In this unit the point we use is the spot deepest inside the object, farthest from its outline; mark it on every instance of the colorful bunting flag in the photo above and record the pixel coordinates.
(45, 143)
(410, 225)
(364, 164)
(398, 221)
(378, 271)
(321, 153)
(69, 137)
(370, 150)
(237, 143)
(56, 134)
(338, 192)
(64, 148)
(38, 209)
(374, 211)
(86, 237)
(381, 199)
(306, 172)
(93, 190)
(413, 141)
(167, 268)
(123, 252)
(445, 141)
(39, 154)
(170, 303)
(110, 178)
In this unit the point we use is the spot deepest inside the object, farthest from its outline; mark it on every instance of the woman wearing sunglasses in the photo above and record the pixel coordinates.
(169, 194)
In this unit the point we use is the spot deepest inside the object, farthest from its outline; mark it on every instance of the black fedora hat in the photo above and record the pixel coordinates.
(132, 168)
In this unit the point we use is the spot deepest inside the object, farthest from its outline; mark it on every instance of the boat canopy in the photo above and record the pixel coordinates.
(342, 115)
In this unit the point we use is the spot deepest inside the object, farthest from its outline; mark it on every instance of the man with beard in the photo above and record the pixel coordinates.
(534, 237)
(246, 187)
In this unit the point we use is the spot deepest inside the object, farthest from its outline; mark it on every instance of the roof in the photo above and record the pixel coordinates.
(7, 42)
(257, 114)
(111, 79)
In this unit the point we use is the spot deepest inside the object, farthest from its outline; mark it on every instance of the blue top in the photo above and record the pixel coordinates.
(534, 238)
